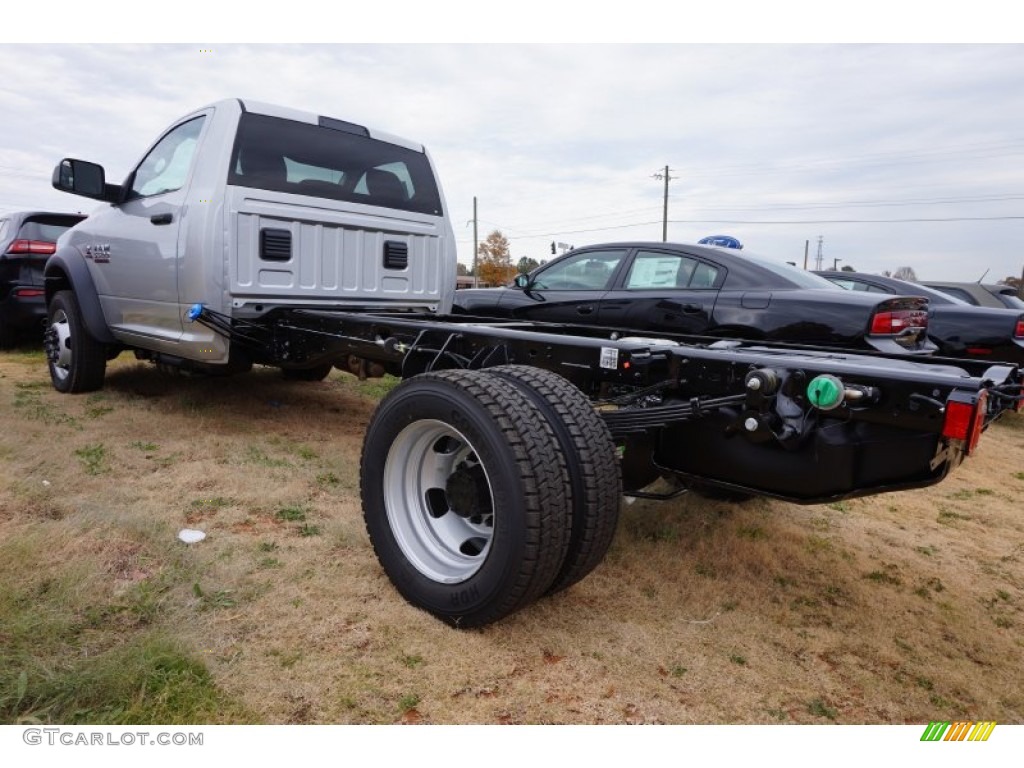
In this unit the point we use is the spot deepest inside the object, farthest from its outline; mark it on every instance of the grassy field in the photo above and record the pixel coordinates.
(899, 608)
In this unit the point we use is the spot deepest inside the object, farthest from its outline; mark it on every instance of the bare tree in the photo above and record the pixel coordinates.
(905, 273)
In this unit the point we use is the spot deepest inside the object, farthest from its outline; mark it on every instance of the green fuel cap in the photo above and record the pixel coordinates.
(825, 392)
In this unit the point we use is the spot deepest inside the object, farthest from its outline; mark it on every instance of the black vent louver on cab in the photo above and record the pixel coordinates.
(396, 255)
(275, 244)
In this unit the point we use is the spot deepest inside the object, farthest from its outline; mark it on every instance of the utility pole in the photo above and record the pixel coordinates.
(835, 263)
(664, 218)
(476, 248)
(817, 261)
(807, 247)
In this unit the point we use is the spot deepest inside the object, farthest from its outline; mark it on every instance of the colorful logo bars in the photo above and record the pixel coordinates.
(958, 731)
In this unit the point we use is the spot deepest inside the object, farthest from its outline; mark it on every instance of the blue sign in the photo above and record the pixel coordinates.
(725, 241)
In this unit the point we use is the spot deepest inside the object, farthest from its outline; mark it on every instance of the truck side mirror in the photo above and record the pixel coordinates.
(522, 281)
(80, 177)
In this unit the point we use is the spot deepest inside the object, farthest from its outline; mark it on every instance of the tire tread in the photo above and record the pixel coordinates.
(88, 356)
(595, 479)
(540, 467)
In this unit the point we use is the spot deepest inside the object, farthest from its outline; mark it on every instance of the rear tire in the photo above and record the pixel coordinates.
(465, 496)
(77, 361)
(594, 474)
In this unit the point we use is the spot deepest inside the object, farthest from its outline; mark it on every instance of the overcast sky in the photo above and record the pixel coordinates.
(895, 155)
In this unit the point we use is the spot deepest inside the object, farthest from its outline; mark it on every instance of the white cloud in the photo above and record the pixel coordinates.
(556, 139)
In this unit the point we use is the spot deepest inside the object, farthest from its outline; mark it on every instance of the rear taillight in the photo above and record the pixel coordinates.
(32, 246)
(897, 321)
(965, 418)
(1018, 332)
(29, 293)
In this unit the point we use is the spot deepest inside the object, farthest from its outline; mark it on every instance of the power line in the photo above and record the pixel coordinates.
(853, 221)
(552, 222)
(516, 231)
(777, 222)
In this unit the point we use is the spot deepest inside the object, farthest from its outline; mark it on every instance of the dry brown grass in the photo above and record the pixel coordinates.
(897, 608)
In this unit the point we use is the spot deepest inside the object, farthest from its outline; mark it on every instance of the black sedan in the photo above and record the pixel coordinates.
(706, 291)
(957, 328)
(27, 239)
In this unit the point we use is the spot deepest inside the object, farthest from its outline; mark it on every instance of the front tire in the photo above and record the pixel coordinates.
(465, 496)
(77, 361)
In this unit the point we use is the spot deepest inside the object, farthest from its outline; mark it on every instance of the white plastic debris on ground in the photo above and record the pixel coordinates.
(191, 537)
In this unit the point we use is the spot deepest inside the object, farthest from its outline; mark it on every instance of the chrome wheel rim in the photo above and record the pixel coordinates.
(439, 501)
(58, 345)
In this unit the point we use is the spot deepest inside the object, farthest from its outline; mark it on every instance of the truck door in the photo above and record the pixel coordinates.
(134, 248)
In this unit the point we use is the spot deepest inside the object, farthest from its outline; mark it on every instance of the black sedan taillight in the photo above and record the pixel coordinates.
(1018, 332)
(897, 321)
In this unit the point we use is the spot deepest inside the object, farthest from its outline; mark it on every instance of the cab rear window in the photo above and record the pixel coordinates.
(339, 163)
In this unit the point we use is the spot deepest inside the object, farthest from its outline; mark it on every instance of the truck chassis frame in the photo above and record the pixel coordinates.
(492, 474)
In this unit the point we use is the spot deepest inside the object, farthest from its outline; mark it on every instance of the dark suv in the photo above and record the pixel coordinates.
(27, 238)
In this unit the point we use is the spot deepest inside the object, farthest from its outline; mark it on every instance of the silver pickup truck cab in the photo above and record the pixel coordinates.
(246, 208)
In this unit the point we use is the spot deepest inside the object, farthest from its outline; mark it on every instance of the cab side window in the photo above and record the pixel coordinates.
(165, 168)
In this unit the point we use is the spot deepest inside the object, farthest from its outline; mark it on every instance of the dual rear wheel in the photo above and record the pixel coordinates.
(484, 490)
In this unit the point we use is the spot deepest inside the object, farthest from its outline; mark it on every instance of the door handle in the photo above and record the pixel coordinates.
(161, 218)
(692, 309)
(585, 309)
